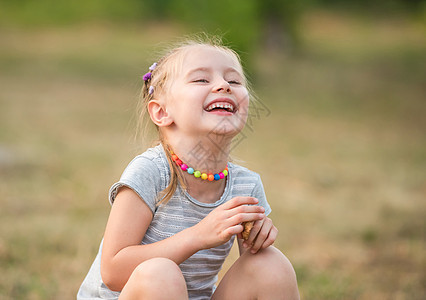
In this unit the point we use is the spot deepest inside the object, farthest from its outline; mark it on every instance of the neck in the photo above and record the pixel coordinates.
(201, 153)
(206, 155)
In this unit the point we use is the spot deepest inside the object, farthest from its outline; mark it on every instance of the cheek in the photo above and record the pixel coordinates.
(243, 94)
(173, 101)
(244, 100)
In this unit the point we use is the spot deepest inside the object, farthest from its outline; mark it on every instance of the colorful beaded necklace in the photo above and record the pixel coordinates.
(198, 174)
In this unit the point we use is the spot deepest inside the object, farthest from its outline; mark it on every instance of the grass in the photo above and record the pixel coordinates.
(345, 144)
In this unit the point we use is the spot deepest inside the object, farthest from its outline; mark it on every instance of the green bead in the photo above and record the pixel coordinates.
(197, 174)
(225, 172)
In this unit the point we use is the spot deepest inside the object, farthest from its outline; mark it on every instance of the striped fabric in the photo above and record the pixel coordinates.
(147, 175)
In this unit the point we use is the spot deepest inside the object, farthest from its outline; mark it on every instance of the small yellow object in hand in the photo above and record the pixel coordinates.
(247, 228)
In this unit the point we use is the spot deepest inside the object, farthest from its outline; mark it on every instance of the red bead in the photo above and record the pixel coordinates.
(179, 162)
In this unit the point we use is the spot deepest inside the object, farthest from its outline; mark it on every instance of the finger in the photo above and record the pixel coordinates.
(271, 238)
(245, 217)
(254, 231)
(261, 236)
(237, 201)
(237, 229)
(245, 209)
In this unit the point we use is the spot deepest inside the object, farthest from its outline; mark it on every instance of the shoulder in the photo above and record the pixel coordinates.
(241, 173)
(243, 179)
(152, 161)
(147, 174)
(154, 155)
(246, 182)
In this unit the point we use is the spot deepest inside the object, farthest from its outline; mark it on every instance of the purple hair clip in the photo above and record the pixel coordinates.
(148, 75)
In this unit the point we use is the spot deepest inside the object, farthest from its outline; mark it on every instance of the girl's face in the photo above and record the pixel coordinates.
(209, 95)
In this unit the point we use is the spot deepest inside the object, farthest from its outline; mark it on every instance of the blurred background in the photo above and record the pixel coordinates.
(338, 135)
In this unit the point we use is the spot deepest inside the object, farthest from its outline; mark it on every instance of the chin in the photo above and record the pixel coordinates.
(226, 128)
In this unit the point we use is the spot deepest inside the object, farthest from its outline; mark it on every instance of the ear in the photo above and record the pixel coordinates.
(158, 113)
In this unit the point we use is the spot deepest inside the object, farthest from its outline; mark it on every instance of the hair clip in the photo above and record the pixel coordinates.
(151, 90)
(148, 75)
(153, 66)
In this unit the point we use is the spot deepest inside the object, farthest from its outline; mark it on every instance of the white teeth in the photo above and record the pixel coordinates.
(226, 106)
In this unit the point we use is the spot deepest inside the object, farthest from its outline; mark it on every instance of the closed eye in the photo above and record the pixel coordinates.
(202, 80)
(234, 82)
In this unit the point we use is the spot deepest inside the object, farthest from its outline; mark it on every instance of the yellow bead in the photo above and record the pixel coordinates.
(204, 176)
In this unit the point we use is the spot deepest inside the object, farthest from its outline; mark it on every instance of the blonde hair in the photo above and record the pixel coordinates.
(167, 67)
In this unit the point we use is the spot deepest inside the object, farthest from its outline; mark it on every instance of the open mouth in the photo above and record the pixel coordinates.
(220, 107)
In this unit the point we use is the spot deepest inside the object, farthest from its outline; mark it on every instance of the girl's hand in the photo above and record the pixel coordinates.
(224, 221)
(262, 235)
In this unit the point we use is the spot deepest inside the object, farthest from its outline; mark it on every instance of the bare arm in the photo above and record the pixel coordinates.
(122, 253)
(129, 219)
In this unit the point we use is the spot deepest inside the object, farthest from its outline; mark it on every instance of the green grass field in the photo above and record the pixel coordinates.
(342, 153)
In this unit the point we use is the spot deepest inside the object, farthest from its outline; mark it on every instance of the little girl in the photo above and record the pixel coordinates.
(178, 207)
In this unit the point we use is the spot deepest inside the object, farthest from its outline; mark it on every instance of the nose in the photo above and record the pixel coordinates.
(223, 86)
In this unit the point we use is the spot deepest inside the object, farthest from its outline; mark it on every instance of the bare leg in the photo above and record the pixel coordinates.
(265, 275)
(157, 278)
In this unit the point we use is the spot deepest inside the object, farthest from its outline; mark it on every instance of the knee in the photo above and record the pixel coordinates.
(159, 274)
(272, 268)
